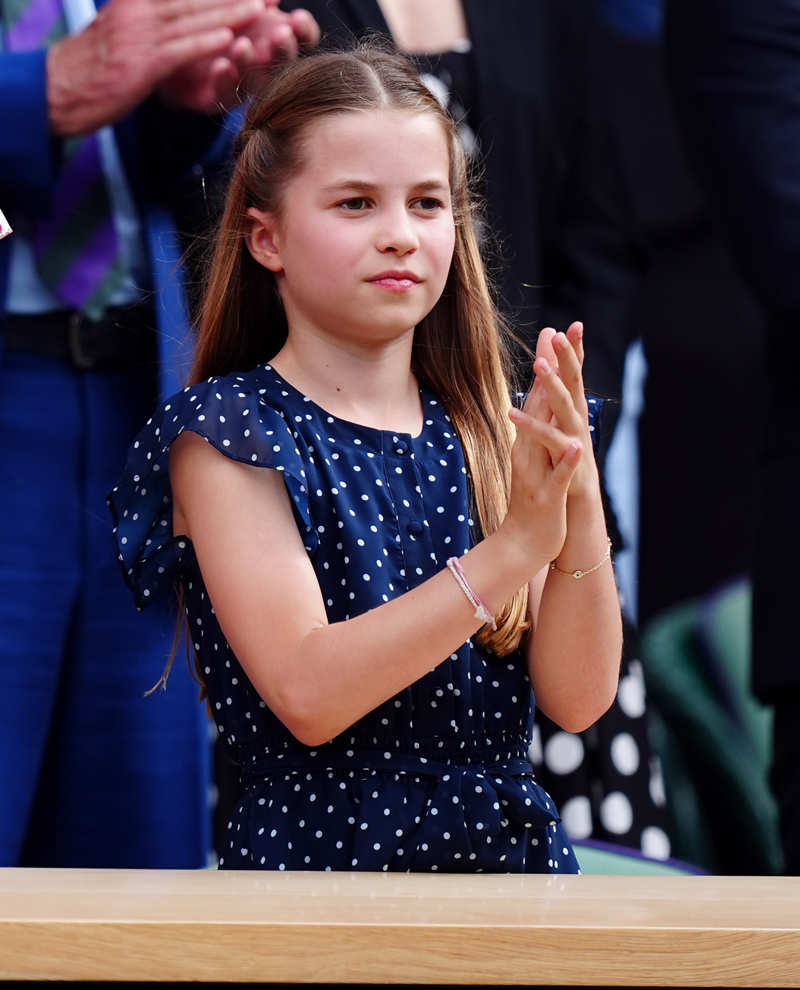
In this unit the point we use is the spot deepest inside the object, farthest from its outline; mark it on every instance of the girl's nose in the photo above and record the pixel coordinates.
(397, 234)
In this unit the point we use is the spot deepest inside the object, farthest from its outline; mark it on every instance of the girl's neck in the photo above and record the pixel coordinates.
(374, 387)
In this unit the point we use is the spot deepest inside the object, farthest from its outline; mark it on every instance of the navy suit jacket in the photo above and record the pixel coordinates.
(162, 151)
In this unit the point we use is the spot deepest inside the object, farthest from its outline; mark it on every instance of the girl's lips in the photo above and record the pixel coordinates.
(392, 282)
(399, 281)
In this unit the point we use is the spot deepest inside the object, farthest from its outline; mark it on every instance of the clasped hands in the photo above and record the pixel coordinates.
(195, 53)
(552, 456)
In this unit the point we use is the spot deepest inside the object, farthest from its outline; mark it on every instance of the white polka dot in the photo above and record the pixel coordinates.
(616, 813)
(625, 753)
(563, 752)
(576, 814)
(631, 692)
(657, 790)
(655, 842)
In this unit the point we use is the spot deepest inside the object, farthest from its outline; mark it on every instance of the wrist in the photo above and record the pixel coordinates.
(522, 559)
(585, 570)
(585, 482)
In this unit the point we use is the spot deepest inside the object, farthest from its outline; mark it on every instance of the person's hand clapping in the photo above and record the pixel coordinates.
(133, 47)
(219, 83)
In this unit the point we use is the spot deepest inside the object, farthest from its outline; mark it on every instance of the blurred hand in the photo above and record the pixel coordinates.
(219, 83)
(132, 46)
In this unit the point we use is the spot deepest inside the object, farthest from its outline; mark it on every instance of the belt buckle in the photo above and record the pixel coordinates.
(79, 357)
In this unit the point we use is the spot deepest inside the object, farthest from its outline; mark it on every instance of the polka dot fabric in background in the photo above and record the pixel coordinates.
(436, 778)
(607, 781)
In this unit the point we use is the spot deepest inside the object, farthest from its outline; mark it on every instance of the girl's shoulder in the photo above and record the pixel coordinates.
(245, 417)
(260, 384)
(248, 416)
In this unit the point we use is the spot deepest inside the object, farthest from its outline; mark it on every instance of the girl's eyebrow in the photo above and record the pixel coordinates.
(426, 185)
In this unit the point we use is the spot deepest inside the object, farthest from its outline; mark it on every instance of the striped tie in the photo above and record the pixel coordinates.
(76, 246)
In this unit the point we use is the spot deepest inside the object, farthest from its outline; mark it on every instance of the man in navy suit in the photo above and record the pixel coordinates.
(734, 68)
(95, 773)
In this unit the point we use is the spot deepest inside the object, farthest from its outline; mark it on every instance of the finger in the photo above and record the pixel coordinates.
(242, 55)
(575, 335)
(567, 416)
(544, 346)
(181, 51)
(305, 28)
(201, 16)
(530, 395)
(528, 456)
(225, 78)
(570, 369)
(283, 42)
(540, 403)
(541, 436)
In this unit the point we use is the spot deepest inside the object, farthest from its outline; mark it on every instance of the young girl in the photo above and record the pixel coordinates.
(370, 613)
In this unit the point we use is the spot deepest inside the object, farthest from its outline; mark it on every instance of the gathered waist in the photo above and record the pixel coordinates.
(489, 791)
(476, 759)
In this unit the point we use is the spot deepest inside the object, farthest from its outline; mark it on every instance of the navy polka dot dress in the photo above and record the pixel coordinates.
(436, 778)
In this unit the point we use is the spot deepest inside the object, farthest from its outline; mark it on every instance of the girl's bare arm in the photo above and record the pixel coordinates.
(320, 677)
(576, 641)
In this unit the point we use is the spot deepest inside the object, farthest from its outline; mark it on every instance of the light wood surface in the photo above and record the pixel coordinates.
(206, 925)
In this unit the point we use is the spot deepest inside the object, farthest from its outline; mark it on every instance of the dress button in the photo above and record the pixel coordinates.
(415, 528)
(399, 450)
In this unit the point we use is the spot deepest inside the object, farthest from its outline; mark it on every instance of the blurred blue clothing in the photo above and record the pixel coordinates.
(27, 293)
(639, 19)
(95, 774)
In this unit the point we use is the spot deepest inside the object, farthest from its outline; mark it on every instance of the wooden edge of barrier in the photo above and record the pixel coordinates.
(436, 929)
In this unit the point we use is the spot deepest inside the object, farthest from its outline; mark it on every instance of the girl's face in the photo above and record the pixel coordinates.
(364, 238)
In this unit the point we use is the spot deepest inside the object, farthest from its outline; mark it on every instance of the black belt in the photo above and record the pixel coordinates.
(124, 336)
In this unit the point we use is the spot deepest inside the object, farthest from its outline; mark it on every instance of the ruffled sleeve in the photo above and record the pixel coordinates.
(238, 419)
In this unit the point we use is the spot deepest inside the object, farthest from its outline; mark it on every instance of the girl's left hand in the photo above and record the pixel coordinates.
(559, 379)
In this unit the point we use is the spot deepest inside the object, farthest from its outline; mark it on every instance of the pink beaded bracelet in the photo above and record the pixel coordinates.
(481, 611)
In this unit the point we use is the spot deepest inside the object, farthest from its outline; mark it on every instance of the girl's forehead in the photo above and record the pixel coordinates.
(374, 142)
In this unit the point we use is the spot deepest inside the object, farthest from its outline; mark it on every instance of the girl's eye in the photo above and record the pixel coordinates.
(428, 204)
(354, 205)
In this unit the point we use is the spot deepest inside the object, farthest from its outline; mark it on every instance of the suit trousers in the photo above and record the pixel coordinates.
(95, 773)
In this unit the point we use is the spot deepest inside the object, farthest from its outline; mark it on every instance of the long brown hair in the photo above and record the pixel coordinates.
(458, 350)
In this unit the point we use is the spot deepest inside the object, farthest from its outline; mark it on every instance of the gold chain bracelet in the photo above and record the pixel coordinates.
(579, 573)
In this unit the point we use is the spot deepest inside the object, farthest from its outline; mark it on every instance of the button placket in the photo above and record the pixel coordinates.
(405, 484)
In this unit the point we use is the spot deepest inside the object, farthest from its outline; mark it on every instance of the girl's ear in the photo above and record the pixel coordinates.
(261, 239)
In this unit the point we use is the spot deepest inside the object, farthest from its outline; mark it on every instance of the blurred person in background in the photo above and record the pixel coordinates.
(734, 74)
(701, 332)
(104, 115)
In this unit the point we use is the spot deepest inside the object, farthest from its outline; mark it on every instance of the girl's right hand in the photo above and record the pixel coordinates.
(543, 461)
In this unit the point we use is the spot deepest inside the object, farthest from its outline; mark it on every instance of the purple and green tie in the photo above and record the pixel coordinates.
(76, 246)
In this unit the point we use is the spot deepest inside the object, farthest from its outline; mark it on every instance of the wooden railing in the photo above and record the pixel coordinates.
(205, 925)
